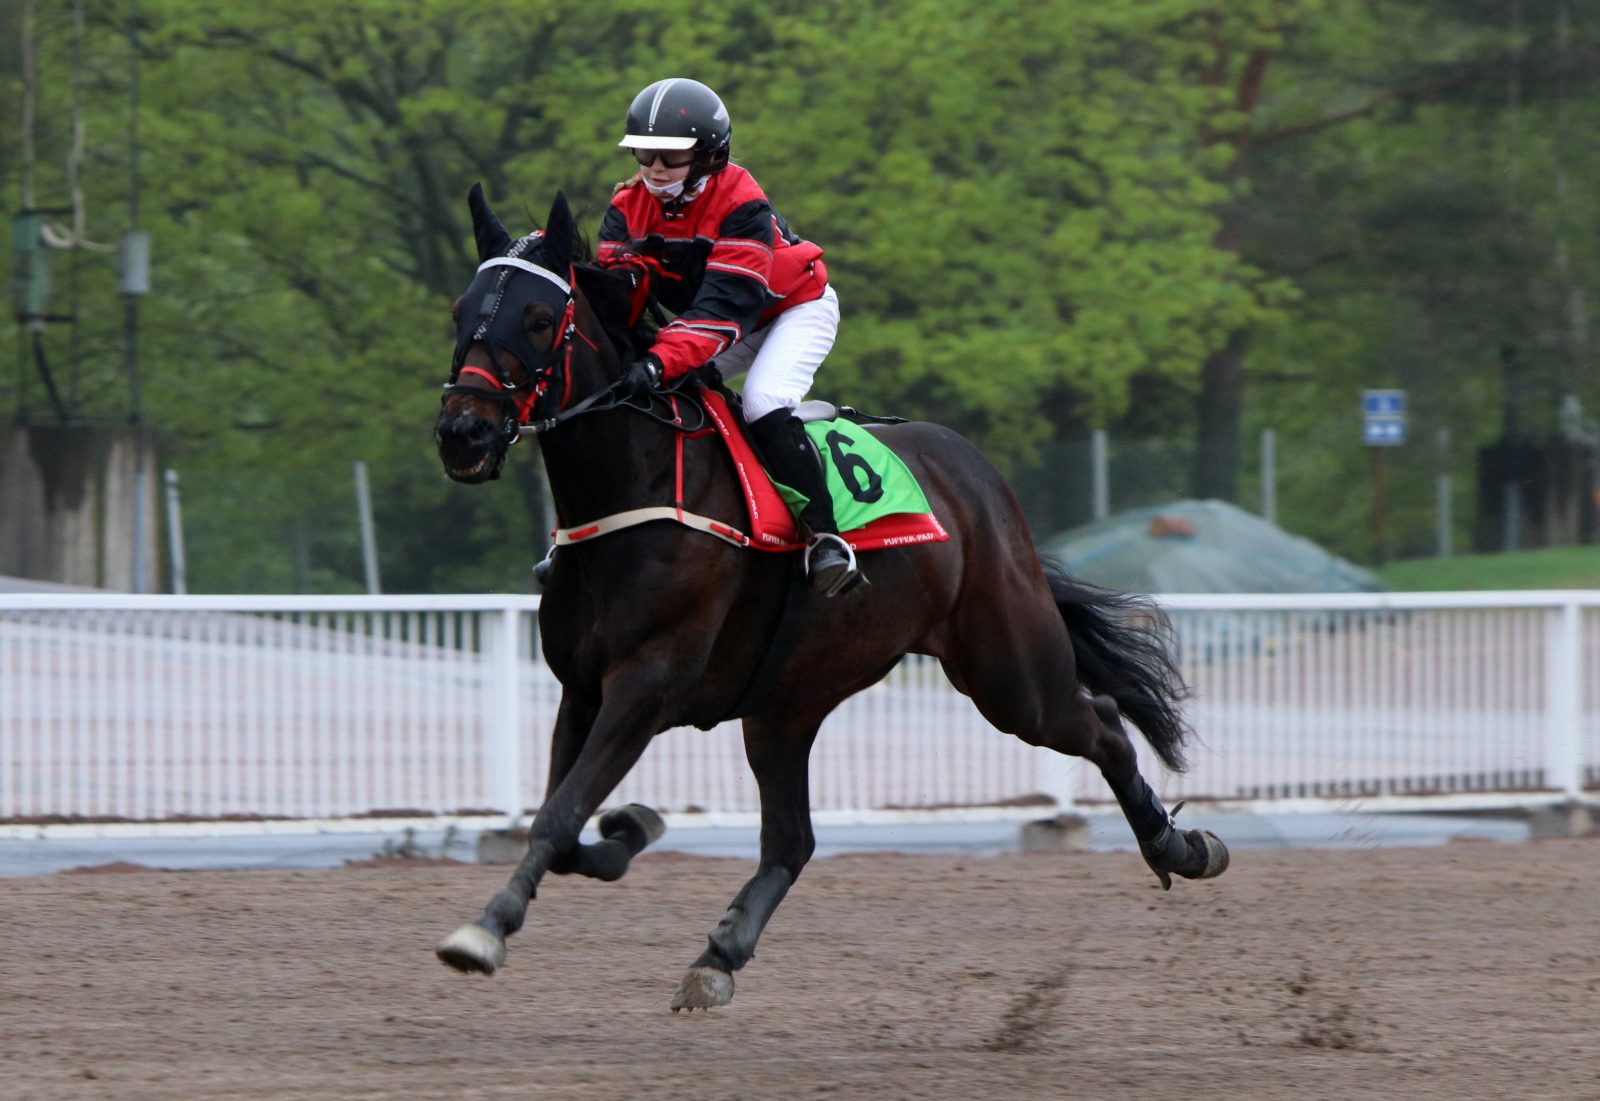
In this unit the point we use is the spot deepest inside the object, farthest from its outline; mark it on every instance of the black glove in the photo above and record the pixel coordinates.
(641, 377)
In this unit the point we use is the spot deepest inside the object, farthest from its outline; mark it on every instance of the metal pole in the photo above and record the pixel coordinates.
(130, 300)
(1100, 448)
(132, 283)
(369, 541)
(1269, 475)
(1513, 516)
(1380, 504)
(137, 586)
(180, 571)
(1446, 521)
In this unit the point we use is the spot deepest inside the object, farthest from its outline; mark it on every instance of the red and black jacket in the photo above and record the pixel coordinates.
(726, 263)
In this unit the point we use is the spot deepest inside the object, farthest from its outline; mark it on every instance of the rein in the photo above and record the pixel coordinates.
(675, 512)
(591, 404)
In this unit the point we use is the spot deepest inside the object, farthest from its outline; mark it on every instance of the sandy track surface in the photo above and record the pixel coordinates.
(1468, 971)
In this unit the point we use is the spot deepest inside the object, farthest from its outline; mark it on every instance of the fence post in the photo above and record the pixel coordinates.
(1056, 775)
(505, 696)
(1563, 766)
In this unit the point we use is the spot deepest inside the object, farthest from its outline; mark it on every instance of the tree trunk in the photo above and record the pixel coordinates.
(1218, 413)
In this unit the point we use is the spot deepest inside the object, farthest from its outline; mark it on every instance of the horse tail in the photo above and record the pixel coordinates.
(1123, 644)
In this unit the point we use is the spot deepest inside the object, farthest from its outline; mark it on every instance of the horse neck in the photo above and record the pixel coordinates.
(608, 462)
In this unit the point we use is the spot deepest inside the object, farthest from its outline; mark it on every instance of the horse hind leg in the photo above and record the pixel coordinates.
(1169, 851)
(1018, 673)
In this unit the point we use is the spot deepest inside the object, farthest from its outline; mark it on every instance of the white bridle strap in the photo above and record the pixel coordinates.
(529, 267)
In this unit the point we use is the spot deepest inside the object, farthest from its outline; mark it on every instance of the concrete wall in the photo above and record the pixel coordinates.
(66, 504)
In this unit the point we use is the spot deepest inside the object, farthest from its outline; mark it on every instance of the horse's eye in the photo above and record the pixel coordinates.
(540, 325)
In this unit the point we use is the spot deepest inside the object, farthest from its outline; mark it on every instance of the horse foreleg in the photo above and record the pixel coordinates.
(778, 754)
(615, 742)
(625, 831)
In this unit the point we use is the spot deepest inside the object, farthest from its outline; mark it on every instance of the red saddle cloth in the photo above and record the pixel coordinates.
(772, 525)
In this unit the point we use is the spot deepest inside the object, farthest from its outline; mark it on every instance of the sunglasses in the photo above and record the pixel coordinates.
(672, 158)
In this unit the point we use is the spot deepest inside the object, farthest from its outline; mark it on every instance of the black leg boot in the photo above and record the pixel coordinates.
(792, 460)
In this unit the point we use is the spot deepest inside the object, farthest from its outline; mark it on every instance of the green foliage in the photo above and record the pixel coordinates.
(1039, 217)
(1424, 238)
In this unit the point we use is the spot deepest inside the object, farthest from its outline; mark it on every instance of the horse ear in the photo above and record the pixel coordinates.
(560, 230)
(493, 240)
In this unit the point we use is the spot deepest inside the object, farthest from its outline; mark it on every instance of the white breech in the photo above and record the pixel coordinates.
(783, 357)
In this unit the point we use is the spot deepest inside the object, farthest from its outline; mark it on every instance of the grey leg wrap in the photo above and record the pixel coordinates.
(1193, 854)
(733, 941)
(1164, 848)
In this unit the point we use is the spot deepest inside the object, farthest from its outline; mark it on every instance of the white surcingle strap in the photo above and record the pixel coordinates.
(632, 518)
(530, 267)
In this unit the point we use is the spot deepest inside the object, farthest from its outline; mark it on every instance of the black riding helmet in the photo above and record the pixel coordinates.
(681, 114)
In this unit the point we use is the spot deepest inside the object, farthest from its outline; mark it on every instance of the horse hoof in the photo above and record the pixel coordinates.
(703, 988)
(636, 815)
(1215, 852)
(472, 948)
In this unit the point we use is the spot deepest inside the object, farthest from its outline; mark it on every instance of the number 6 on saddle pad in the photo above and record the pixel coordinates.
(875, 498)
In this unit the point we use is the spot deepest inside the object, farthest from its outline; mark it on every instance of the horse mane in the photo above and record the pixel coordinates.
(610, 295)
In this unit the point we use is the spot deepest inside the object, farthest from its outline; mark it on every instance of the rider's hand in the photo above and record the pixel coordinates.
(641, 378)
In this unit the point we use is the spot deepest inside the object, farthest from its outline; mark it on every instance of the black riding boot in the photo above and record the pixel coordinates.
(792, 460)
(541, 572)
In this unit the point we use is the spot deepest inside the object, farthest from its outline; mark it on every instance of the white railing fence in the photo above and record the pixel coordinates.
(154, 708)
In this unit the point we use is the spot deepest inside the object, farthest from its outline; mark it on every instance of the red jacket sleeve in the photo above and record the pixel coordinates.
(733, 292)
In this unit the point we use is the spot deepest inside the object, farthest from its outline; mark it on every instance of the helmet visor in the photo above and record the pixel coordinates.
(656, 141)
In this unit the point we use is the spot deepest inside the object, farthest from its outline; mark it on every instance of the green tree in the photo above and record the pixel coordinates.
(1402, 236)
(1026, 211)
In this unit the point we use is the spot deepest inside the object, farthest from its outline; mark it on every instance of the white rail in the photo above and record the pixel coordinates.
(155, 708)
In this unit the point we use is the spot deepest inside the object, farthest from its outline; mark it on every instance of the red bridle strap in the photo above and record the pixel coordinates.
(481, 373)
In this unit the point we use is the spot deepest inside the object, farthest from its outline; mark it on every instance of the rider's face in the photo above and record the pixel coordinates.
(663, 167)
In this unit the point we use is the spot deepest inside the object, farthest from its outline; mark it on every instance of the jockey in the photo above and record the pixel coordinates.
(749, 295)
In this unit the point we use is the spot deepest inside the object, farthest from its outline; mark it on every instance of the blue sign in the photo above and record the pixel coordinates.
(1383, 403)
(1383, 418)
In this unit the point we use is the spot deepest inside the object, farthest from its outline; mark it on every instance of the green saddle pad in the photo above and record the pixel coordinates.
(866, 480)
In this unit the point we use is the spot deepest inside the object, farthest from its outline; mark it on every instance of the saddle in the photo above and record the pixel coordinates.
(876, 499)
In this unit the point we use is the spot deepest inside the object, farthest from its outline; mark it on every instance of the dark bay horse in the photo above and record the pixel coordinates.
(659, 625)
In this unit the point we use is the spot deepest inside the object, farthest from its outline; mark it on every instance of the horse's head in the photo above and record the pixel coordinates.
(514, 328)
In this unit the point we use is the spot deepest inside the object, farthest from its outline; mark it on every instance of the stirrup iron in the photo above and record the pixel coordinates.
(849, 576)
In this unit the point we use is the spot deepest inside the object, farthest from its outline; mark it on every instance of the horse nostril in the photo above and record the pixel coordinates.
(479, 432)
(467, 431)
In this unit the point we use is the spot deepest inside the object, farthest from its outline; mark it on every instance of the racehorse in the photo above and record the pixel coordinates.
(659, 625)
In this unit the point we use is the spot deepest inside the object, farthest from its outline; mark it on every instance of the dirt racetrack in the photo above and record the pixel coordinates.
(1467, 971)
